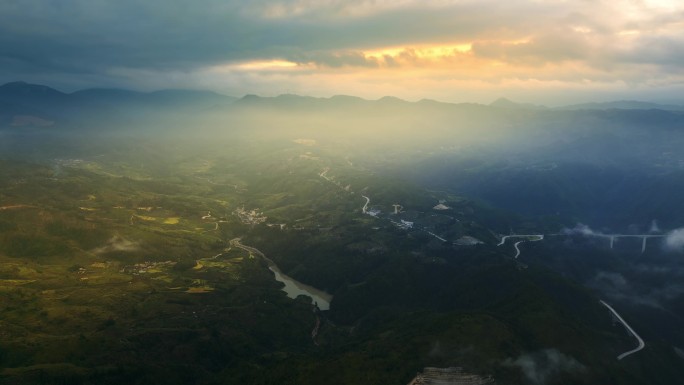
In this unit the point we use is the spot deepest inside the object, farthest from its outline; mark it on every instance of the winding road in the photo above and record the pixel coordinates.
(505, 237)
(435, 235)
(364, 209)
(236, 242)
(629, 329)
(517, 249)
(530, 238)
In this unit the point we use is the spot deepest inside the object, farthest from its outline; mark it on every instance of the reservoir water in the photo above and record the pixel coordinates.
(294, 288)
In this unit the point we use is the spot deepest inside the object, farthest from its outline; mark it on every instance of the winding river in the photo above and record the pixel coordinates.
(292, 288)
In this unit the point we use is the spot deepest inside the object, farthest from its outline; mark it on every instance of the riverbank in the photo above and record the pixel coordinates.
(292, 288)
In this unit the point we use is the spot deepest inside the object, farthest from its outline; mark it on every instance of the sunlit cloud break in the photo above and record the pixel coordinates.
(450, 50)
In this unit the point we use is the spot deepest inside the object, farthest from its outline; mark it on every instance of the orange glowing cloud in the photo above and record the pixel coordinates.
(448, 49)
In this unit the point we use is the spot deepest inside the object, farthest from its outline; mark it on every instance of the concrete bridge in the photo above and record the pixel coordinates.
(613, 237)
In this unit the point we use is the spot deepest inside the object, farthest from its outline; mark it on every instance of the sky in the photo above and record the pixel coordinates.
(545, 52)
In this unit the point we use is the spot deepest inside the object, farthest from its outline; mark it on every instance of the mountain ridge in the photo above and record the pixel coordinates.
(15, 88)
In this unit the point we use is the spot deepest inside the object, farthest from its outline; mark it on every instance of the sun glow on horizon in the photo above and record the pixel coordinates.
(444, 49)
(256, 65)
(422, 52)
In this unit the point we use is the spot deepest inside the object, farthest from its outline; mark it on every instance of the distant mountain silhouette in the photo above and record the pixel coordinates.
(506, 103)
(18, 99)
(163, 98)
(25, 91)
(42, 102)
(36, 103)
(346, 99)
(391, 100)
(623, 105)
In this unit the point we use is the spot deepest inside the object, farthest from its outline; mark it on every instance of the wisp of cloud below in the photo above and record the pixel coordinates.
(674, 241)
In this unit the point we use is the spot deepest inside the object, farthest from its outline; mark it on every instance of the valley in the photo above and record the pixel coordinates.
(294, 289)
(236, 255)
(309, 192)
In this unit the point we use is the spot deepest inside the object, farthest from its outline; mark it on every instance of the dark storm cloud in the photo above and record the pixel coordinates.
(44, 35)
(82, 35)
(409, 44)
